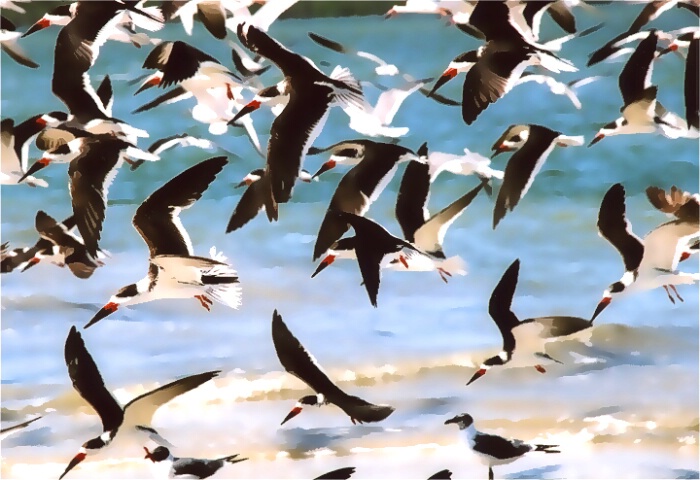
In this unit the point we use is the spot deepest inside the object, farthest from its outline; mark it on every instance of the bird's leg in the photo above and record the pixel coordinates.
(229, 92)
(540, 369)
(353, 421)
(673, 287)
(202, 302)
(670, 297)
(442, 273)
(490, 473)
(129, 161)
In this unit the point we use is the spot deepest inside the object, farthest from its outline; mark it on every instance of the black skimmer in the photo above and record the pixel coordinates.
(185, 467)
(524, 341)
(88, 382)
(245, 64)
(174, 271)
(641, 111)
(211, 13)
(651, 262)
(254, 198)
(299, 362)
(14, 165)
(374, 248)
(362, 185)
(86, 33)
(339, 474)
(532, 145)
(124, 29)
(7, 431)
(491, 449)
(56, 244)
(424, 231)
(311, 96)
(94, 162)
(8, 44)
(28, 130)
(493, 69)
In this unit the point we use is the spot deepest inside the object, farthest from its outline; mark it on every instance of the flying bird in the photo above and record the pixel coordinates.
(299, 362)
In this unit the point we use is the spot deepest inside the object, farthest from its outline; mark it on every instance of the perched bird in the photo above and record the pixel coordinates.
(311, 96)
(492, 449)
(532, 145)
(174, 271)
(524, 341)
(361, 186)
(184, 467)
(88, 382)
(7, 431)
(300, 363)
(653, 261)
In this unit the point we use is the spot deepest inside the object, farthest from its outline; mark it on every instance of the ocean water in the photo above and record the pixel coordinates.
(624, 404)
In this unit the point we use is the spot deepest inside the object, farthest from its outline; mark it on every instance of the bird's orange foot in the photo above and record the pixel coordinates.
(443, 274)
(540, 369)
(204, 301)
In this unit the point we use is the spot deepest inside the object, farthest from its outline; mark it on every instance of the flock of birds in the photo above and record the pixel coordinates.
(96, 145)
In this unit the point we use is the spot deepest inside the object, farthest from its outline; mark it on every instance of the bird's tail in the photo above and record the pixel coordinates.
(232, 459)
(546, 448)
(222, 281)
(347, 89)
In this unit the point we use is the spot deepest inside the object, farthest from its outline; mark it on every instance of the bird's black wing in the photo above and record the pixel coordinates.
(88, 382)
(500, 305)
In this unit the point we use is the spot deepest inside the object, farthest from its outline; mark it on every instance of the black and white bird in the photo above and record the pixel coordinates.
(57, 244)
(174, 271)
(8, 43)
(299, 362)
(374, 248)
(424, 231)
(361, 185)
(253, 199)
(94, 163)
(491, 449)
(311, 96)
(524, 341)
(641, 111)
(168, 466)
(14, 166)
(651, 262)
(77, 47)
(495, 67)
(180, 140)
(532, 145)
(136, 414)
(7, 431)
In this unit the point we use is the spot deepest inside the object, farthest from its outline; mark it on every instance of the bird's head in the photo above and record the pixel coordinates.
(159, 454)
(124, 296)
(500, 359)
(308, 400)
(150, 81)
(461, 63)
(604, 131)
(614, 289)
(512, 139)
(251, 178)
(463, 420)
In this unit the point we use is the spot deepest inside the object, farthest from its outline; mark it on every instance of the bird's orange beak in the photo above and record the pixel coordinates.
(76, 460)
(293, 413)
(479, 373)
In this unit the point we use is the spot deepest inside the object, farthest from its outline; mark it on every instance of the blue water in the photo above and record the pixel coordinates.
(420, 346)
